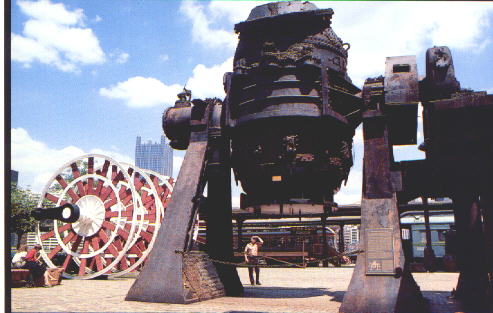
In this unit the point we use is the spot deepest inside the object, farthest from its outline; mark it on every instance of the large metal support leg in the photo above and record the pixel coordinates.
(472, 285)
(161, 279)
(219, 215)
(380, 281)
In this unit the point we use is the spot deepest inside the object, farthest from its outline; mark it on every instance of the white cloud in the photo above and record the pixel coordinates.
(202, 32)
(235, 202)
(375, 30)
(97, 19)
(490, 91)
(138, 92)
(234, 11)
(44, 10)
(358, 136)
(56, 36)
(351, 193)
(400, 28)
(121, 57)
(164, 57)
(207, 82)
(37, 162)
(177, 162)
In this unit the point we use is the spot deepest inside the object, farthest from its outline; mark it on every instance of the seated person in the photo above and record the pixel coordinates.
(34, 265)
(18, 261)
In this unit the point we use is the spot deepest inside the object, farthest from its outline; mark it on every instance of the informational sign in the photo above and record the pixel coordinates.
(379, 248)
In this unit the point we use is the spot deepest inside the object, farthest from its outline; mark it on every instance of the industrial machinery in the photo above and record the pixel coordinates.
(103, 215)
(285, 128)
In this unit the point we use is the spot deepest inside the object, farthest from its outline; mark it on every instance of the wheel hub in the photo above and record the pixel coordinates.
(91, 218)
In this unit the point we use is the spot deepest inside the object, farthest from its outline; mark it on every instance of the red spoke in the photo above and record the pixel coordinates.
(166, 192)
(65, 240)
(47, 235)
(104, 170)
(97, 192)
(127, 199)
(54, 251)
(108, 225)
(76, 173)
(122, 233)
(123, 263)
(99, 262)
(151, 218)
(105, 193)
(75, 245)
(116, 175)
(118, 244)
(73, 195)
(83, 261)
(129, 212)
(110, 214)
(61, 181)
(146, 236)
(51, 233)
(90, 165)
(75, 170)
(111, 248)
(92, 263)
(150, 229)
(136, 250)
(98, 258)
(140, 245)
(90, 186)
(54, 199)
(110, 203)
(130, 171)
(138, 183)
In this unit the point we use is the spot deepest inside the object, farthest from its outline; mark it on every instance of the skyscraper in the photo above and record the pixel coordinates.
(154, 156)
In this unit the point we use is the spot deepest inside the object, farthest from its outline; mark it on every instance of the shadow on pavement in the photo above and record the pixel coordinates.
(440, 302)
(290, 292)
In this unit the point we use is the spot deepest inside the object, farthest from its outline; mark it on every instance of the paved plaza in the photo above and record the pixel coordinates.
(282, 290)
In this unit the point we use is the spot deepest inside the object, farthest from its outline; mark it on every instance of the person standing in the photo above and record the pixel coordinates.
(252, 258)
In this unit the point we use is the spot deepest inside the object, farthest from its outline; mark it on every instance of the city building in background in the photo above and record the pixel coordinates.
(351, 237)
(157, 156)
(14, 177)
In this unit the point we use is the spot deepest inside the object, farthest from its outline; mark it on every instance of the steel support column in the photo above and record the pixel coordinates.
(219, 216)
(341, 238)
(429, 254)
(325, 250)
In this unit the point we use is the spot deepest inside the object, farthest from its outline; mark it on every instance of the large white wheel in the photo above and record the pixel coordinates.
(164, 187)
(96, 243)
(150, 213)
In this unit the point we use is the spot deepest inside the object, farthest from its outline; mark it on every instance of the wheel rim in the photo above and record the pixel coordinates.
(151, 210)
(100, 238)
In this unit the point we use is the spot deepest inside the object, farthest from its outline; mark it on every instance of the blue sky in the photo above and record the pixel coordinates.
(89, 76)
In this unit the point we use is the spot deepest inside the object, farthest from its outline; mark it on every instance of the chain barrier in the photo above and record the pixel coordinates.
(299, 265)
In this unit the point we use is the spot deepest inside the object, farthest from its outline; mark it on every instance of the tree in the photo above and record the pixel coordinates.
(22, 202)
